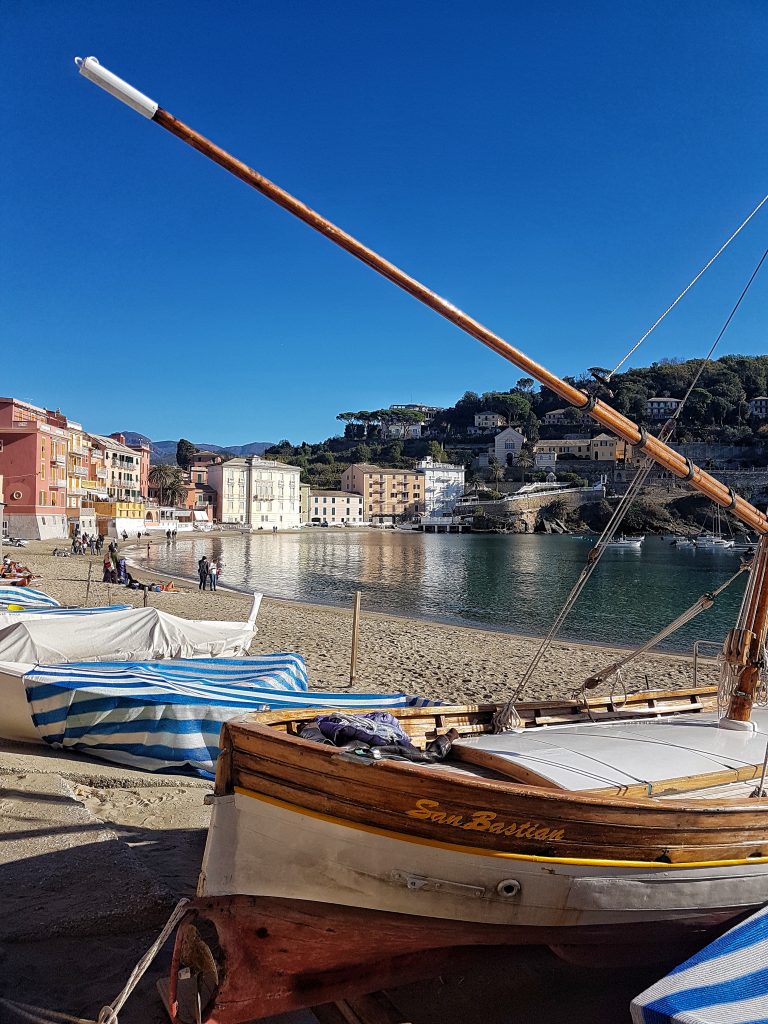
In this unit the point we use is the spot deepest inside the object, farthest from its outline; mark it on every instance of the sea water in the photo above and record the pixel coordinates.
(507, 582)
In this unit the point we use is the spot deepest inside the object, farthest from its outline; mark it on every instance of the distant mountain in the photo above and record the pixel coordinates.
(165, 451)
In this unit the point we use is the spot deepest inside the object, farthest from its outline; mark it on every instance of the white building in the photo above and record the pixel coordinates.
(545, 460)
(401, 431)
(335, 507)
(661, 408)
(568, 415)
(759, 407)
(490, 420)
(508, 442)
(257, 493)
(443, 486)
(122, 465)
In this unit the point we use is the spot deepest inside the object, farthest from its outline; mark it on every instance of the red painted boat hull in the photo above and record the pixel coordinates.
(275, 955)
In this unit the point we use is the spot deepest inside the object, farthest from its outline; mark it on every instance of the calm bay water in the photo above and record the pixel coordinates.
(507, 582)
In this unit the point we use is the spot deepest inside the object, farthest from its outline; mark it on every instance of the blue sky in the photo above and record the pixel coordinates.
(558, 170)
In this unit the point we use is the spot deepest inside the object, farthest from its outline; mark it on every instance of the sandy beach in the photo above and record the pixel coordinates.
(94, 857)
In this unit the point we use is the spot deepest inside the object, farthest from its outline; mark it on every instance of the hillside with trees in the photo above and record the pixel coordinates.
(716, 412)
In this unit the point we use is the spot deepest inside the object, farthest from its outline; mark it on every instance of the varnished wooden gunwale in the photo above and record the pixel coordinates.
(268, 761)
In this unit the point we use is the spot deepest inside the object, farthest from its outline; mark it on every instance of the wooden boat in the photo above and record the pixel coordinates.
(593, 828)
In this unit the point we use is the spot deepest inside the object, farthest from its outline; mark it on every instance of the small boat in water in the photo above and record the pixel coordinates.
(625, 541)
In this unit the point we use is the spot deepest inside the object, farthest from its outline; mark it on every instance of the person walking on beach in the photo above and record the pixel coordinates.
(93, 544)
(213, 573)
(203, 568)
(125, 536)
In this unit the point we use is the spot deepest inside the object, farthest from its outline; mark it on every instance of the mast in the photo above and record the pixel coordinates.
(601, 412)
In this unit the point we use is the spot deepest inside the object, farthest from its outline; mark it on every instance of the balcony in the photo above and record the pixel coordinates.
(59, 460)
(80, 471)
(102, 474)
(57, 483)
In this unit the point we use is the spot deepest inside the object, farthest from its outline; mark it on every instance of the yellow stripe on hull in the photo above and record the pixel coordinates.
(481, 852)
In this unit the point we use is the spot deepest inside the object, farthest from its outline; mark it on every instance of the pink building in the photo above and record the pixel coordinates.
(34, 446)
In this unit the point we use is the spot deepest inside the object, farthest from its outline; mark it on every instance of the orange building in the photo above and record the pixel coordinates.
(387, 494)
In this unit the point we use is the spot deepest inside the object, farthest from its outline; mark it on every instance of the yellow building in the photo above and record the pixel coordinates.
(578, 448)
(387, 493)
(601, 448)
(607, 448)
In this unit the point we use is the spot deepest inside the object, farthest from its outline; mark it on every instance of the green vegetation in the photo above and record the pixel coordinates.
(716, 412)
(169, 484)
(185, 452)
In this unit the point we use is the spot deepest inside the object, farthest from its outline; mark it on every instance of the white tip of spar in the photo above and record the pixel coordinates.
(92, 70)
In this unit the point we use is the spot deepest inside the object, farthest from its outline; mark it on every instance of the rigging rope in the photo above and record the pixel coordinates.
(685, 291)
(506, 717)
(703, 604)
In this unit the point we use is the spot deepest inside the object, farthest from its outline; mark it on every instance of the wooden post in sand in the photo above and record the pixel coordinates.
(145, 597)
(88, 584)
(355, 627)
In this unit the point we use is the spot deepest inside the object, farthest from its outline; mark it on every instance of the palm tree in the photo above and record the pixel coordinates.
(524, 461)
(160, 477)
(175, 491)
(497, 472)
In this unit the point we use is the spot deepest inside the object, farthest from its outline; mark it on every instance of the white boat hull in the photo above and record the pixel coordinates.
(262, 847)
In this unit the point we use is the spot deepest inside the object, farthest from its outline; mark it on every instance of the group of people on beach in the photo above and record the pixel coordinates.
(208, 572)
(15, 573)
(82, 543)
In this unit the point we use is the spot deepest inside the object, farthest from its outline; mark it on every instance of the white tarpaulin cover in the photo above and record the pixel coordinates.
(135, 634)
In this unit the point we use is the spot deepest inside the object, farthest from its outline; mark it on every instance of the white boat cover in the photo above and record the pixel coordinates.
(724, 983)
(167, 716)
(27, 597)
(620, 753)
(133, 634)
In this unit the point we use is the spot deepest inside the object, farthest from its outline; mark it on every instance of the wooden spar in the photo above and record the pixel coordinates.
(355, 633)
(605, 415)
(744, 647)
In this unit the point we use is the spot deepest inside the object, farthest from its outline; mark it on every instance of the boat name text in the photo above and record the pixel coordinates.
(484, 821)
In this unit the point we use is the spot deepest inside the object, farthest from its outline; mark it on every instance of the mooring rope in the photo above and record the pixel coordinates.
(107, 1014)
(703, 604)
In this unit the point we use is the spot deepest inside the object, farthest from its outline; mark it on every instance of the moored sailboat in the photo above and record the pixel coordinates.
(574, 829)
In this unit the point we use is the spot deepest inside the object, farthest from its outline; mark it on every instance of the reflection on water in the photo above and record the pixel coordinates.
(515, 583)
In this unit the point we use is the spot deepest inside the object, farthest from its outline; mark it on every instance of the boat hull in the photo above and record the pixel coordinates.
(264, 847)
(274, 956)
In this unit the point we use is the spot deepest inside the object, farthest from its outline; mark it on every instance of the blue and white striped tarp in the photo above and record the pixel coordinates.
(26, 596)
(724, 983)
(167, 715)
